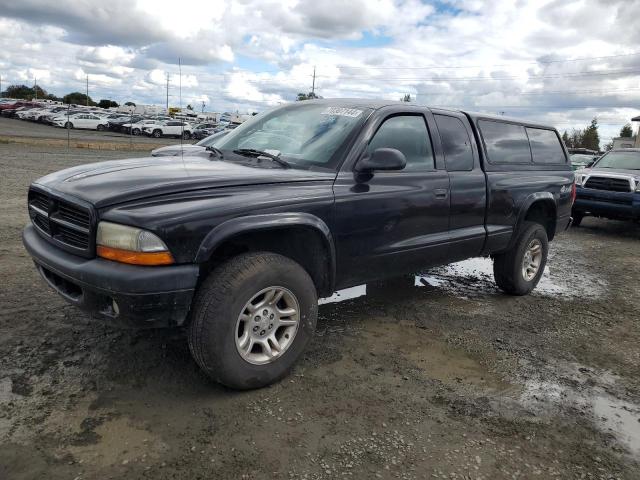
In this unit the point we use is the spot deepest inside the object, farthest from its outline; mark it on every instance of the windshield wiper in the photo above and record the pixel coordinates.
(215, 150)
(252, 152)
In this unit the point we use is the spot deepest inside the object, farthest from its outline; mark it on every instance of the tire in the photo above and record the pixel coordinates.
(100, 128)
(508, 268)
(215, 321)
(186, 135)
(157, 133)
(68, 125)
(577, 219)
(135, 132)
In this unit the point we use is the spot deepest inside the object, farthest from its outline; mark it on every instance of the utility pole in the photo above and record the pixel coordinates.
(313, 83)
(35, 87)
(167, 93)
(0, 85)
(87, 93)
(203, 104)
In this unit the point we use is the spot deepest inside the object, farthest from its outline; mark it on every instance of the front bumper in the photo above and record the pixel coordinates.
(119, 293)
(604, 203)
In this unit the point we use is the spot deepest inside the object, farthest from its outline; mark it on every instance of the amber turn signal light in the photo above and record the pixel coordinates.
(135, 258)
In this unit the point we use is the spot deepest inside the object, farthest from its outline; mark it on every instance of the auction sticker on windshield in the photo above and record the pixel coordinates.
(341, 111)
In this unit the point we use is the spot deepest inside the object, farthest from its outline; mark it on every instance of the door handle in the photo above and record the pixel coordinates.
(441, 192)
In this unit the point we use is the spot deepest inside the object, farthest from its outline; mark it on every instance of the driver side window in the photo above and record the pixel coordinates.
(409, 134)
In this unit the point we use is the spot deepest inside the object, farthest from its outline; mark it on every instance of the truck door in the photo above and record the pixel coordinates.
(392, 222)
(467, 184)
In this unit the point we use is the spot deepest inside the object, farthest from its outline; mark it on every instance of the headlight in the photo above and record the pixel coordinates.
(638, 185)
(579, 179)
(131, 245)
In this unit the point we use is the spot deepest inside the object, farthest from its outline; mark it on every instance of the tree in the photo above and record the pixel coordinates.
(306, 96)
(129, 104)
(189, 107)
(626, 131)
(590, 137)
(78, 98)
(27, 93)
(587, 138)
(608, 146)
(406, 98)
(107, 103)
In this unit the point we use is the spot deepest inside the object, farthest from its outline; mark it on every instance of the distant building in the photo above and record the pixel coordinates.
(628, 142)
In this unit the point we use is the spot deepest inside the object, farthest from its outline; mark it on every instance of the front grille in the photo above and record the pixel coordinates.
(72, 237)
(66, 223)
(608, 183)
(74, 215)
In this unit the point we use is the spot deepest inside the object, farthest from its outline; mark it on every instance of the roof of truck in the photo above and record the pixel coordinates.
(376, 104)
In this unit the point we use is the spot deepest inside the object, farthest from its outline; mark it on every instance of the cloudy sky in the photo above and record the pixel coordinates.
(558, 61)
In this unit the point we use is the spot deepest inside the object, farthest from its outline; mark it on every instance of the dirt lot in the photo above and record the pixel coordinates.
(437, 376)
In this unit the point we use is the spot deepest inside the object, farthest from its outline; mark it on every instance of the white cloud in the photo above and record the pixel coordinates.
(491, 55)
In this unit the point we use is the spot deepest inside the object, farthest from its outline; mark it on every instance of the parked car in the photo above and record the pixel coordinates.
(610, 188)
(169, 128)
(301, 201)
(115, 124)
(133, 128)
(81, 120)
(203, 130)
(199, 148)
(10, 109)
(581, 160)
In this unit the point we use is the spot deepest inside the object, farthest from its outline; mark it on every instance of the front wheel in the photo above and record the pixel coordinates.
(135, 132)
(100, 128)
(186, 135)
(157, 133)
(68, 125)
(252, 318)
(519, 270)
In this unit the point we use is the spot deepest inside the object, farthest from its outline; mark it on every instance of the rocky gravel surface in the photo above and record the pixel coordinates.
(436, 375)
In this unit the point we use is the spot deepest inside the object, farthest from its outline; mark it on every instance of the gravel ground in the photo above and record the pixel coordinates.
(433, 376)
(21, 128)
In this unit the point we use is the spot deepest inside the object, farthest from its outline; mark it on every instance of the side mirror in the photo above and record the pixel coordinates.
(382, 159)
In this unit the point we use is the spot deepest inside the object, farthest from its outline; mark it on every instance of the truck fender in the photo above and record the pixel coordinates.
(250, 223)
(546, 197)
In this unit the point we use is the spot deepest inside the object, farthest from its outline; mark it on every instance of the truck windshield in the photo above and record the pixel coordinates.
(621, 160)
(304, 134)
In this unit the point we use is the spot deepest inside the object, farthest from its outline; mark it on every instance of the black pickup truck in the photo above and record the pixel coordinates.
(294, 204)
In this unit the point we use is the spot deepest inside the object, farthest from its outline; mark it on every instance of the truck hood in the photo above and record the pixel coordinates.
(613, 171)
(108, 183)
(172, 150)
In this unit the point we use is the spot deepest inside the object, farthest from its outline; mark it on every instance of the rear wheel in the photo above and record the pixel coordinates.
(100, 128)
(68, 125)
(135, 131)
(157, 133)
(518, 270)
(186, 135)
(252, 318)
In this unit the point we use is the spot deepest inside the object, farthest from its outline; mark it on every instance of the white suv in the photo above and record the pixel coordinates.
(171, 127)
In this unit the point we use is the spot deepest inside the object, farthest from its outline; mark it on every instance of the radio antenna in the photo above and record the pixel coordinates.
(180, 95)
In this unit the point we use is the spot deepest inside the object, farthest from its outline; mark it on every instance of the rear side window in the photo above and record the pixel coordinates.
(545, 146)
(456, 143)
(505, 142)
(409, 134)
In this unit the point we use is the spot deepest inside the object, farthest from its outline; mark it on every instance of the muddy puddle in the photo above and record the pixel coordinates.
(474, 278)
(578, 388)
